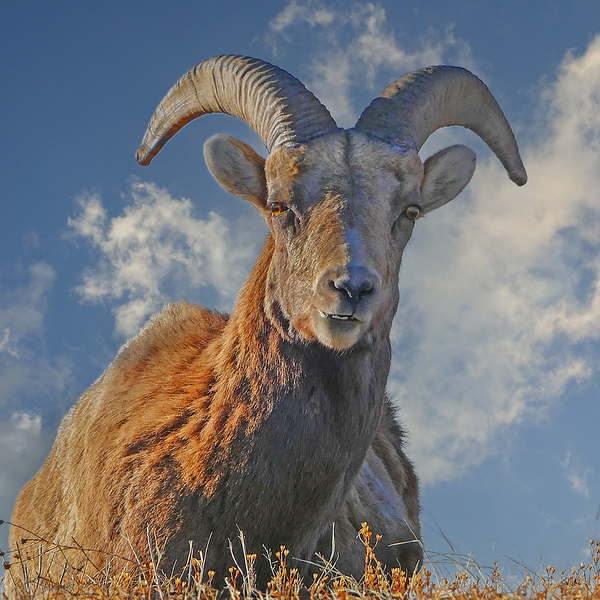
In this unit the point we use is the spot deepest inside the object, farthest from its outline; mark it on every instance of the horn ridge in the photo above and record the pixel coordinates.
(411, 108)
(274, 103)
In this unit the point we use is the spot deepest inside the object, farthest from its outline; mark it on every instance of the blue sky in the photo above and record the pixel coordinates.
(496, 342)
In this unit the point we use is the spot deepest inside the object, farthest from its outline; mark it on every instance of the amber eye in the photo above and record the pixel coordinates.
(413, 212)
(278, 208)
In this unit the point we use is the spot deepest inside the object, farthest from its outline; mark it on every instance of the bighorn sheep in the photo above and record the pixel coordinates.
(273, 420)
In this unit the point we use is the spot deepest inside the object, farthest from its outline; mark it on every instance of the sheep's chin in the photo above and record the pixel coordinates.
(337, 333)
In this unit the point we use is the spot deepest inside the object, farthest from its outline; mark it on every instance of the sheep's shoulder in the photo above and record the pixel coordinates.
(156, 375)
(178, 327)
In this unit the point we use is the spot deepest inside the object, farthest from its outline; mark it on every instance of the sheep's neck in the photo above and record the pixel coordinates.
(296, 419)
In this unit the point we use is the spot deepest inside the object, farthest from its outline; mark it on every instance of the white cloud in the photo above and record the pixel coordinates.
(579, 483)
(157, 250)
(19, 447)
(23, 447)
(501, 289)
(25, 371)
(27, 377)
(373, 54)
(577, 478)
(22, 308)
(17, 433)
(377, 48)
(5, 343)
(313, 13)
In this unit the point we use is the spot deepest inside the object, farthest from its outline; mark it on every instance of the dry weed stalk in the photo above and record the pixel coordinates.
(146, 581)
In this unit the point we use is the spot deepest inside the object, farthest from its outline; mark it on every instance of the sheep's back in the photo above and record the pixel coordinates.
(109, 450)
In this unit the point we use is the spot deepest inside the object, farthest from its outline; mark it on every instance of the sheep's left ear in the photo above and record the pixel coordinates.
(446, 174)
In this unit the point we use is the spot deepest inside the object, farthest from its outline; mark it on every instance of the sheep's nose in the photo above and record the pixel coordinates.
(355, 283)
(352, 284)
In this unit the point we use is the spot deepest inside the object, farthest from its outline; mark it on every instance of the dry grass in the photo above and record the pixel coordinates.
(441, 578)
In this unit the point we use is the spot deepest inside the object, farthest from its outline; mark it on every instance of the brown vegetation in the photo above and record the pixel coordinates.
(446, 577)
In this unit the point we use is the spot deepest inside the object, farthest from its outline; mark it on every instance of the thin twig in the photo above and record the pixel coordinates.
(154, 564)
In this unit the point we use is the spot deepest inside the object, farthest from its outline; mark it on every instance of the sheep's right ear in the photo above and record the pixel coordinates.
(238, 168)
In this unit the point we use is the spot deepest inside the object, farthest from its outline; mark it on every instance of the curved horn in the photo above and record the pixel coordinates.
(409, 110)
(275, 104)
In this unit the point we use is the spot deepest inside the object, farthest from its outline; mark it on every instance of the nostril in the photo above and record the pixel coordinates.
(353, 288)
(366, 288)
(351, 283)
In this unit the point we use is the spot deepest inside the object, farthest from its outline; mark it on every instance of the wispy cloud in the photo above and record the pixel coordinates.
(25, 371)
(18, 448)
(28, 377)
(313, 13)
(158, 250)
(357, 48)
(576, 477)
(501, 289)
(22, 308)
(23, 446)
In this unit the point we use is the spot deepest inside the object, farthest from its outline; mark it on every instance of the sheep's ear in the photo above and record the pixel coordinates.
(446, 174)
(238, 168)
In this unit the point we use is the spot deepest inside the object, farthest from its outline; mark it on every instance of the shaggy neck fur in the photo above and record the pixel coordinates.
(286, 431)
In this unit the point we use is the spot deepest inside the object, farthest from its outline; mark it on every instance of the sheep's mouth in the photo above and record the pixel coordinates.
(339, 331)
(336, 317)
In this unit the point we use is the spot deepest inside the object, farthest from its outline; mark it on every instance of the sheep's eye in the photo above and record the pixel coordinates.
(413, 212)
(278, 208)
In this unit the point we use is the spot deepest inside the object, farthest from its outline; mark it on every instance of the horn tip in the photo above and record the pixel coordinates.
(143, 156)
(519, 177)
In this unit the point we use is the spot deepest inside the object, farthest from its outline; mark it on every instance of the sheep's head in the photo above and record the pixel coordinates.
(341, 209)
(341, 205)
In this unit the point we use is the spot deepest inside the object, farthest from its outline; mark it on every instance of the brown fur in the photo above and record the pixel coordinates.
(169, 428)
(273, 421)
